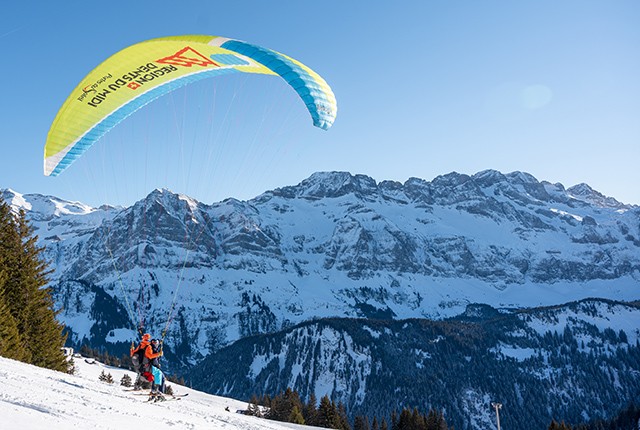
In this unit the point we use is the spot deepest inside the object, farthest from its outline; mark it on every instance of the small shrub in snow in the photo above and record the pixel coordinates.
(106, 377)
(126, 381)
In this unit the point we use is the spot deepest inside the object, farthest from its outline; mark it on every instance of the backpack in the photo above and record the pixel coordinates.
(137, 359)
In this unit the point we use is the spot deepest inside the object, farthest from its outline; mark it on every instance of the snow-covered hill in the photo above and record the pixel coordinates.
(32, 398)
(334, 245)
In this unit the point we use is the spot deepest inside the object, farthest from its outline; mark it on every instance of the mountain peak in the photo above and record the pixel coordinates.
(166, 197)
(452, 179)
(489, 176)
(15, 199)
(522, 177)
(42, 204)
(330, 185)
(587, 194)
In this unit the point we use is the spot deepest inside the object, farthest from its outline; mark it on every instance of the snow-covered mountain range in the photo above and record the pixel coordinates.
(334, 245)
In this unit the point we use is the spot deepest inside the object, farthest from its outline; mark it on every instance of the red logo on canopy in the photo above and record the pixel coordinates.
(188, 57)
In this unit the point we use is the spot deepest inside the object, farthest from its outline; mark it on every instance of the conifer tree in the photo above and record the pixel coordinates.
(310, 411)
(418, 421)
(327, 413)
(394, 420)
(106, 377)
(126, 380)
(283, 405)
(10, 340)
(434, 420)
(343, 421)
(404, 421)
(374, 424)
(25, 293)
(360, 422)
(44, 334)
(384, 425)
(296, 416)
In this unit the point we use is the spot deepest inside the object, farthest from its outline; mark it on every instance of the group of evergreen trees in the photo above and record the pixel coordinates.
(627, 419)
(29, 331)
(104, 357)
(288, 407)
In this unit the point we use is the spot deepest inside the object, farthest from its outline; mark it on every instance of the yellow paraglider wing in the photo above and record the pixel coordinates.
(145, 71)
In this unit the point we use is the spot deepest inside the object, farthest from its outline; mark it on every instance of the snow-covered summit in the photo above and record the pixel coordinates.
(38, 203)
(329, 185)
(587, 194)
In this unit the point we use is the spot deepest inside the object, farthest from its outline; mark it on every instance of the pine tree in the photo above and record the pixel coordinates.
(310, 411)
(10, 310)
(433, 420)
(418, 421)
(360, 422)
(296, 416)
(11, 345)
(384, 425)
(327, 413)
(374, 424)
(404, 421)
(106, 377)
(26, 295)
(126, 380)
(45, 337)
(283, 405)
(342, 421)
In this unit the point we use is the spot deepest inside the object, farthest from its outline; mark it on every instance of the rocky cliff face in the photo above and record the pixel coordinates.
(334, 245)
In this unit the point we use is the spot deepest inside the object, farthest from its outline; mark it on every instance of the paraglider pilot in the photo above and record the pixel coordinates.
(146, 364)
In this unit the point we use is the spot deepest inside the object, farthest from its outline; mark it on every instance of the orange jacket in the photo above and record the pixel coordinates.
(141, 347)
(150, 354)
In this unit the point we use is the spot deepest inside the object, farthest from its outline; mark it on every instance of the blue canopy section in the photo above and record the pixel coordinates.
(319, 102)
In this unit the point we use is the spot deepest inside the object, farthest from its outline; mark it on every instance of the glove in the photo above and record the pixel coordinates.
(160, 354)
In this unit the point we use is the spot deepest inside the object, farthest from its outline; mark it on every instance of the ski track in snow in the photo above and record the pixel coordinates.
(32, 398)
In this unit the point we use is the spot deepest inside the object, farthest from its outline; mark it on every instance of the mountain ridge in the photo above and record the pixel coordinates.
(335, 244)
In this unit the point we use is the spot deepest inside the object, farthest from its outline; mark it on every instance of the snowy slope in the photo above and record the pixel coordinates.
(32, 398)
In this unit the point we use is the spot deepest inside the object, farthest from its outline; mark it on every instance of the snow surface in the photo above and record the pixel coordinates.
(33, 398)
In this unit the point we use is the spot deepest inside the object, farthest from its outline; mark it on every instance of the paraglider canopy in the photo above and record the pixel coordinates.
(141, 73)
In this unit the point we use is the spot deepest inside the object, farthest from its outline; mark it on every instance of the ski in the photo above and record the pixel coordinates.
(165, 398)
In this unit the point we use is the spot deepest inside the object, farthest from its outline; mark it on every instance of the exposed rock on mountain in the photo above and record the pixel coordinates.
(334, 245)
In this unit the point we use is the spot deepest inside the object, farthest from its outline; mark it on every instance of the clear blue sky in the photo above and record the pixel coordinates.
(424, 88)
